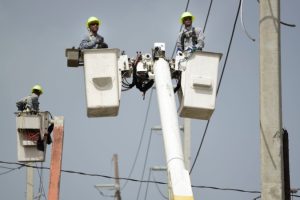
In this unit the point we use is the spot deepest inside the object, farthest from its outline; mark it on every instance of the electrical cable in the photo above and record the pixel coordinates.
(242, 22)
(147, 187)
(208, 12)
(141, 139)
(157, 187)
(10, 170)
(41, 186)
(219, 84)
(283, 23)
(144, 167)
(131, 179)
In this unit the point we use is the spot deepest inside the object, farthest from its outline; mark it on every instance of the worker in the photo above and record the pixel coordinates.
(93, 40)
(31, 102)
(190, 38)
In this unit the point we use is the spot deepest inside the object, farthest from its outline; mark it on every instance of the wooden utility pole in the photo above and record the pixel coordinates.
(272, 176)
(56, 158)
(117, 180)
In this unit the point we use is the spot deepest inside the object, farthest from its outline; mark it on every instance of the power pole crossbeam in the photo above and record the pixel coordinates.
(179, 177)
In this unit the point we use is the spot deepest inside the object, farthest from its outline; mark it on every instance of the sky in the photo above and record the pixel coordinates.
(34, 36)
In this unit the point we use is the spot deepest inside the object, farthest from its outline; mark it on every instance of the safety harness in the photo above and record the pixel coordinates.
(185, 35)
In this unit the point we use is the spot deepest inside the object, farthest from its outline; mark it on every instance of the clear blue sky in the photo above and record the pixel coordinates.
(34, 36)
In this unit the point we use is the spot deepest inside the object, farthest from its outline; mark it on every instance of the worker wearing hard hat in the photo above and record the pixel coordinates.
(190, 38)
(31, 102)
(93, 40)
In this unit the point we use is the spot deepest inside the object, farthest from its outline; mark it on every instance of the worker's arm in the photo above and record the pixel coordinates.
(200, 38)
(90, 42)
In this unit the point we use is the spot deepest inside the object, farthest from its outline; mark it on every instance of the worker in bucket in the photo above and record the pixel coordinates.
(93, 40)
(190, 38)
(31, 102)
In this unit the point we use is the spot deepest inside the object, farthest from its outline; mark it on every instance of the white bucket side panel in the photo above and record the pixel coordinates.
(101, 82)
(199, 84)
(27, 148)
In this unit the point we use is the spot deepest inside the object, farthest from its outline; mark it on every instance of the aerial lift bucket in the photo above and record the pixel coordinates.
(32, 130)
(102, 82)
(198, 85)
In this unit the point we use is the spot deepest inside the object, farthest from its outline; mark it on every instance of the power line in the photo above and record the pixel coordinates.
(141, 139)
(144, 167)
(207, 16)
(133, 180)
(41, 187)
(219, 84)
(10, 169)
(157, 187)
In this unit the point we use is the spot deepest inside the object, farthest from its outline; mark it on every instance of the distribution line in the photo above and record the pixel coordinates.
(41, 187)
(219, 84)
(141, 139)
(145, 162)
(131, 179)
(10, 170)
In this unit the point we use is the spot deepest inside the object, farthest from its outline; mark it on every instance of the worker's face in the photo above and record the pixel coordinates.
(94, 26)
(187, 21)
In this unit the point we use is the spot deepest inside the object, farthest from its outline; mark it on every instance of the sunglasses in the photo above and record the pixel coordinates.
(94, 23)
(187, 18)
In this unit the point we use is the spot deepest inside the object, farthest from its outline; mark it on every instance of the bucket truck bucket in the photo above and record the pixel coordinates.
(198, 85)
(102, 79)
(32, 130)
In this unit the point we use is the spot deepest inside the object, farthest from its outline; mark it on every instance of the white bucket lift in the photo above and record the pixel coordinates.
(32, 130)
(102, 82)
(198, 84)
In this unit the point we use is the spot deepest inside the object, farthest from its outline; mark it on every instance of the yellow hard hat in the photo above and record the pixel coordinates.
(38, 88)
(92, 19)
(184, 15)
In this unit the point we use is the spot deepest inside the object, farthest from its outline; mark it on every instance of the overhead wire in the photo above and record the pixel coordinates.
(141, 139)
(147, 186)
(129, 179)
(144, 167)
(9, 170)
(283, 23)
(157, 187)
(242, 22)
(219, 84)
(41, 186)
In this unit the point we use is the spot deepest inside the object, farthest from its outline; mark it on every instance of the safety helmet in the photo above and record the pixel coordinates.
(184, 15)
(38, 88)
(92, 19)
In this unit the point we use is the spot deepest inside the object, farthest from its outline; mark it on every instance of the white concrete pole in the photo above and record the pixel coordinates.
(178, 175)
(272, 181)
(29, 182)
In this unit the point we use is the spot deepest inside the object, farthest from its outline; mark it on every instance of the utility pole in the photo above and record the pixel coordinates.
(115, 186)
(56, 158)
(117, 180)
(272, 176)
(29, 181)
